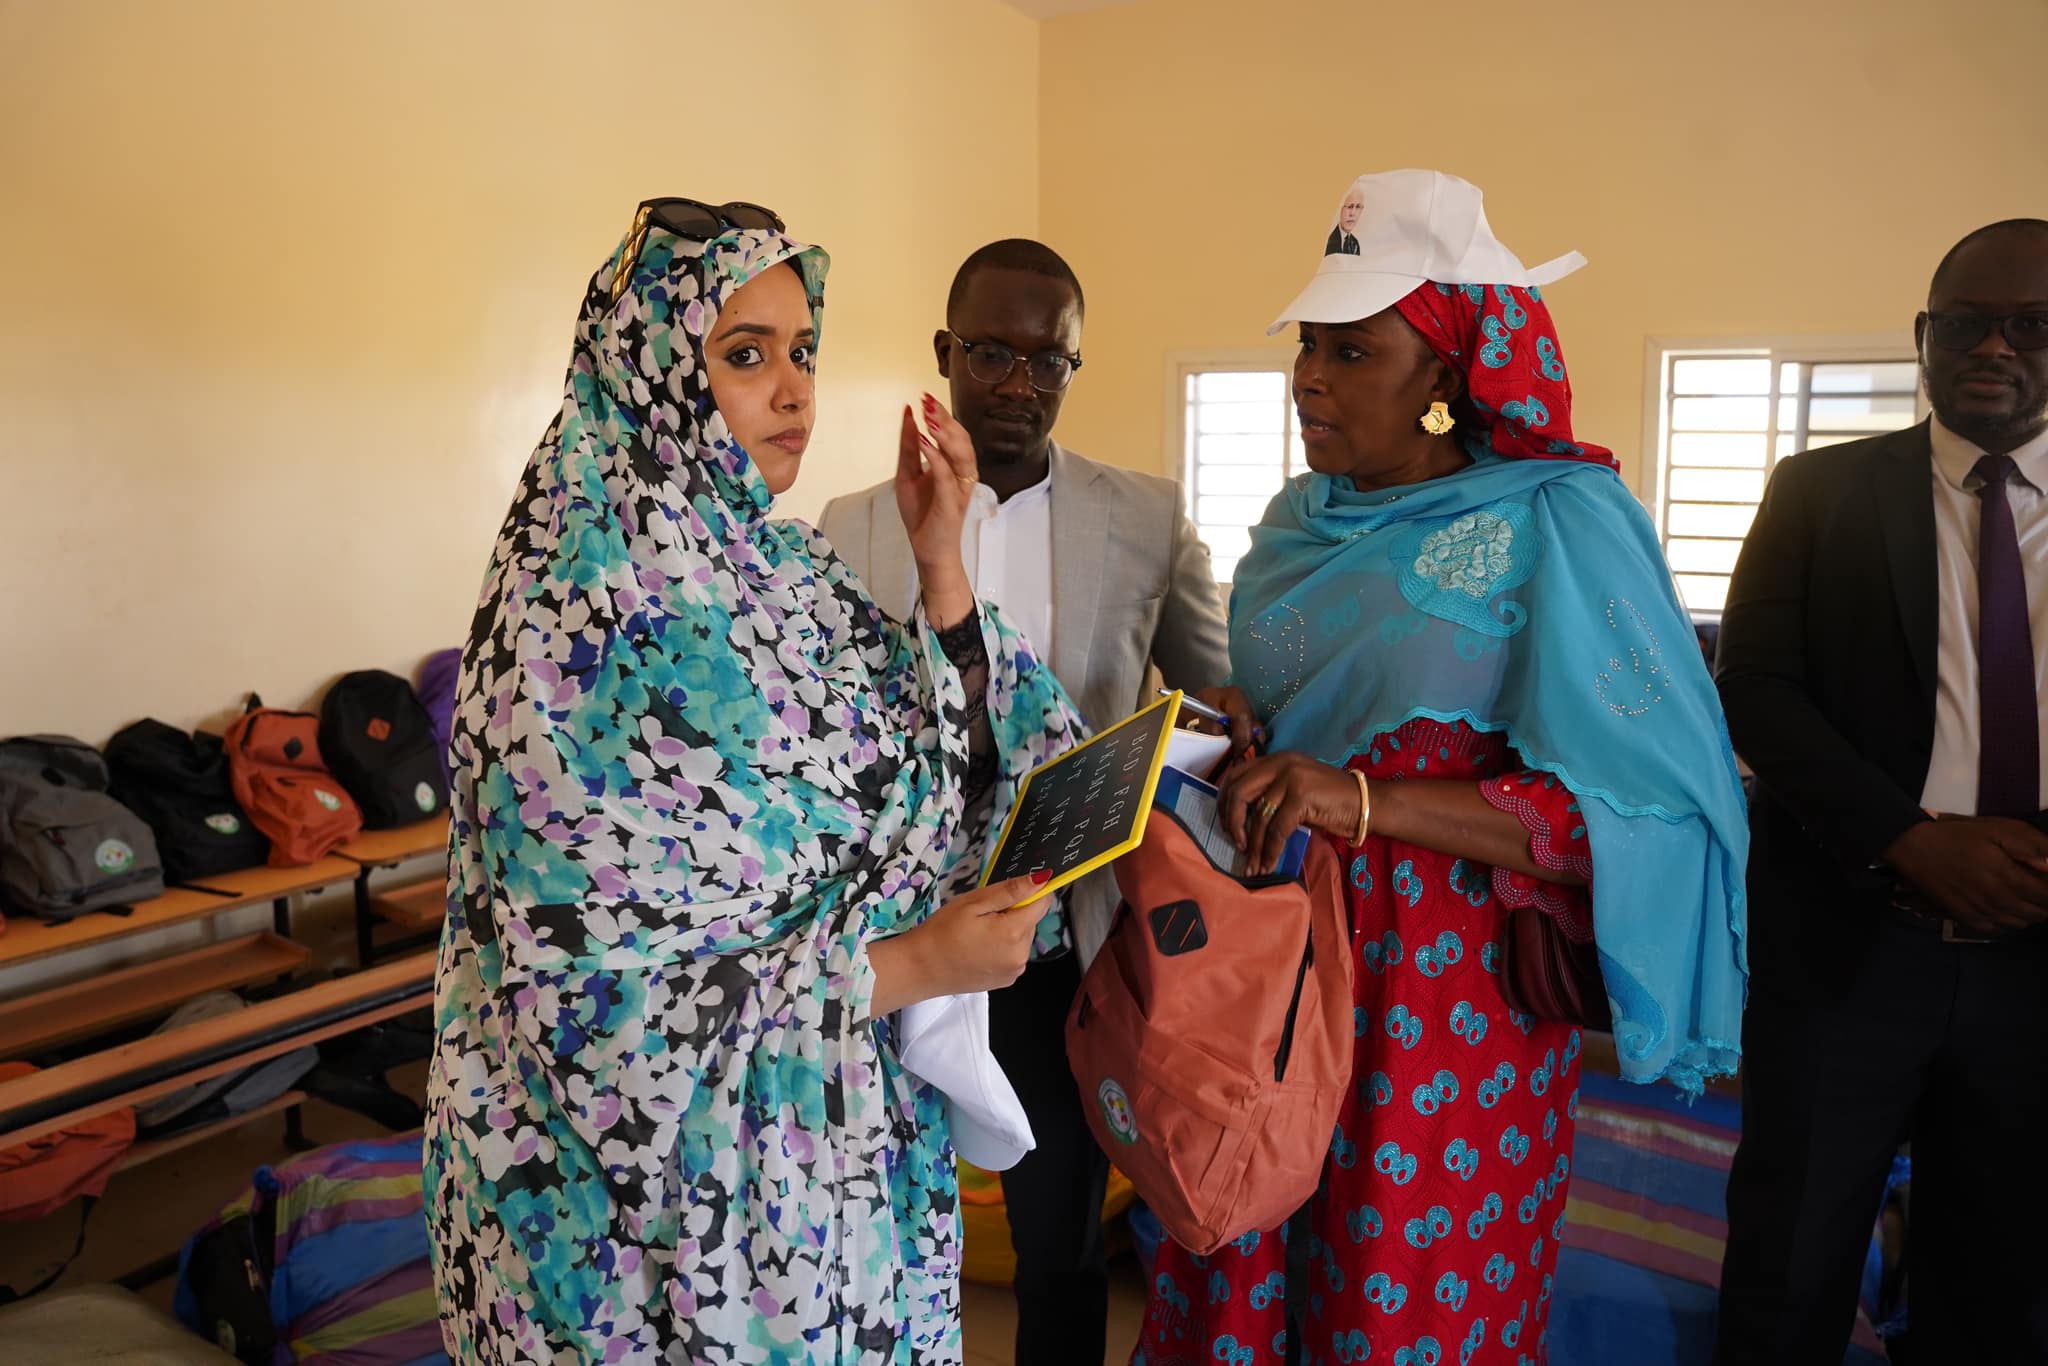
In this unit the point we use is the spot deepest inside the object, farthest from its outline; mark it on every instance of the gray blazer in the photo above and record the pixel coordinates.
(1131, 587)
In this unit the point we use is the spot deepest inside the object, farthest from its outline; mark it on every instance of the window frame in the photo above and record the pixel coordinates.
(1652, 483)
(1180, 366)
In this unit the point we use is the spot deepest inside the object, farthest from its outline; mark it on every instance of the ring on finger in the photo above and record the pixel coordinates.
(1270, 809)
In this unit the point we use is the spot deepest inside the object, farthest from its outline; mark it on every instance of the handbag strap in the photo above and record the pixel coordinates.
(8, 1294)
(1298, 1235)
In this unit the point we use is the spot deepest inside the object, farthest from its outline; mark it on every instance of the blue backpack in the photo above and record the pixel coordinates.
(321, 1262)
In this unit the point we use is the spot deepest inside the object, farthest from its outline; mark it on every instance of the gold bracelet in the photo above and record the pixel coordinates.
(1364, 807)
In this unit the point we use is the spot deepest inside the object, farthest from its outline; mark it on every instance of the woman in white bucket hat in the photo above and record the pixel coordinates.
(1463, 641)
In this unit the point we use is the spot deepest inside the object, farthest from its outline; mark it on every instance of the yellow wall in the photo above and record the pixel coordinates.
(285, 290)
(1750, 167)
(286, 293)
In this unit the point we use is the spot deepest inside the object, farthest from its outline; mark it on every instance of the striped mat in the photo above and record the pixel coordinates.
(1644, 1229)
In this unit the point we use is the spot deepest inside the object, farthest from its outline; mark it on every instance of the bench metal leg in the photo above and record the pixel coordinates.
(365, 950)
(295, 1130)
(281, 916)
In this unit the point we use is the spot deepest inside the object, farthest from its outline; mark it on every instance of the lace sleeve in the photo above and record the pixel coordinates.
(967, 649)
(1557, 841)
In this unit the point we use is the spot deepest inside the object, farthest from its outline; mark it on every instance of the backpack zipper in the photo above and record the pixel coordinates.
(1308, 956)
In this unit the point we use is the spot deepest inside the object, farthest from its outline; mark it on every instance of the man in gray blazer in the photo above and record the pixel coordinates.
(1103, 572)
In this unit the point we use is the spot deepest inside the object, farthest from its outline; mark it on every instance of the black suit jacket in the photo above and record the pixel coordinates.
(1341, 242)
(1827, 669)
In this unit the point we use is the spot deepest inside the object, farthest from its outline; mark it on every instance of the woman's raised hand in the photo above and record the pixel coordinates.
(935, 478)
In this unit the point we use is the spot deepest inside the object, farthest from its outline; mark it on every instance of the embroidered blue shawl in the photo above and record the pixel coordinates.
(1528, 597)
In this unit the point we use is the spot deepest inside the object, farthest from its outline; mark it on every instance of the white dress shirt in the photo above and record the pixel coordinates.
(1952, 773)
(1007, 548)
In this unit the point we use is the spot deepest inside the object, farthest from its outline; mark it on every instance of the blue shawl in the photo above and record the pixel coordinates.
(1528, 597)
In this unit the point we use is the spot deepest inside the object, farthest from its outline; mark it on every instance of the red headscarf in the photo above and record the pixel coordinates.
(1501, 338)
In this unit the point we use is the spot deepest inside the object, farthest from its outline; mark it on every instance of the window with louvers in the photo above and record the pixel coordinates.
(1728, 417)
(1238, 431)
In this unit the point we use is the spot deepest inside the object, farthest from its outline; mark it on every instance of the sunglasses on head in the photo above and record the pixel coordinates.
(688, 219)
(1965, 331)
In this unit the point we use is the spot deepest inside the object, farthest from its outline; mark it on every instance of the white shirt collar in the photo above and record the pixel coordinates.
(1955, 456)
(984, 497)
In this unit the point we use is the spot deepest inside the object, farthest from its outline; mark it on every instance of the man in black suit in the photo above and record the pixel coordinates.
(1881, 661)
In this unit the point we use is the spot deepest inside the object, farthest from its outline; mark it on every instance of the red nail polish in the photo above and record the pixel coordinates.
(931, 405)
(1042, 876)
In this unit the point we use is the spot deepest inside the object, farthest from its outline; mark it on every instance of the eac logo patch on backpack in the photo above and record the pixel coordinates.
(113, 856)
(1116, 1110)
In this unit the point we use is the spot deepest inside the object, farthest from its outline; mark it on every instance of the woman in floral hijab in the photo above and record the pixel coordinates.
(703, 789)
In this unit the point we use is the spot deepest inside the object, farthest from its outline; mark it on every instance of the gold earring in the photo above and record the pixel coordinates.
(1438, 419)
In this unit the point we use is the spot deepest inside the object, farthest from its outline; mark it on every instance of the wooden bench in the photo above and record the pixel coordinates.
(27, 939)
(52, 1016)
(141, 991)
(376, 849)
(135, 1073)
(417, 908)
(158, 1064)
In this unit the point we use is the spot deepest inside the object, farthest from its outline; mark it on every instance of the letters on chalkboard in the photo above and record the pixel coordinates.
(1084, 808)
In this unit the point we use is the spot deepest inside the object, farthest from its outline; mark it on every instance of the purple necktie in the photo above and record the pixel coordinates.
(2009, 738)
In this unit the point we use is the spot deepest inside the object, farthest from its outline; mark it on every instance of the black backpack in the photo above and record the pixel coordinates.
(179, 784)
(377, 740)
(66, 846)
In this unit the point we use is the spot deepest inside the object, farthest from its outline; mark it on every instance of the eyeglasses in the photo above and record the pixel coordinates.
(690, 220)
(1963, 331)
(993, 362)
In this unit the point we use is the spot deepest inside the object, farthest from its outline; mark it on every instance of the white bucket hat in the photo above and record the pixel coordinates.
(944, 1042)
(1409, 228)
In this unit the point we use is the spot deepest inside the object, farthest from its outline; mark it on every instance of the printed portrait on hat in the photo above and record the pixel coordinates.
(1343, 240)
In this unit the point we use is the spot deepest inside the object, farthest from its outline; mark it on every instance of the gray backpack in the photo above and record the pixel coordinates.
(230, 1093)
(66, 847)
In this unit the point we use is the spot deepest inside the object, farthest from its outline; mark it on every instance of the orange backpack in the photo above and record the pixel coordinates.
(274, 765)
(1213, 1036)
(45, 1174)
(41, 1176)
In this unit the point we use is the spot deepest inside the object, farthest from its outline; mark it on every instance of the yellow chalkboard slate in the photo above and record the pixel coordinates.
(1082, 810)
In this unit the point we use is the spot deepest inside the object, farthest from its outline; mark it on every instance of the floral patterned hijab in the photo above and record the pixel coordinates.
(697, 773)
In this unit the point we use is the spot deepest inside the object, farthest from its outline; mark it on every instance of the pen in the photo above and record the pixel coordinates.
(1209, 713)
